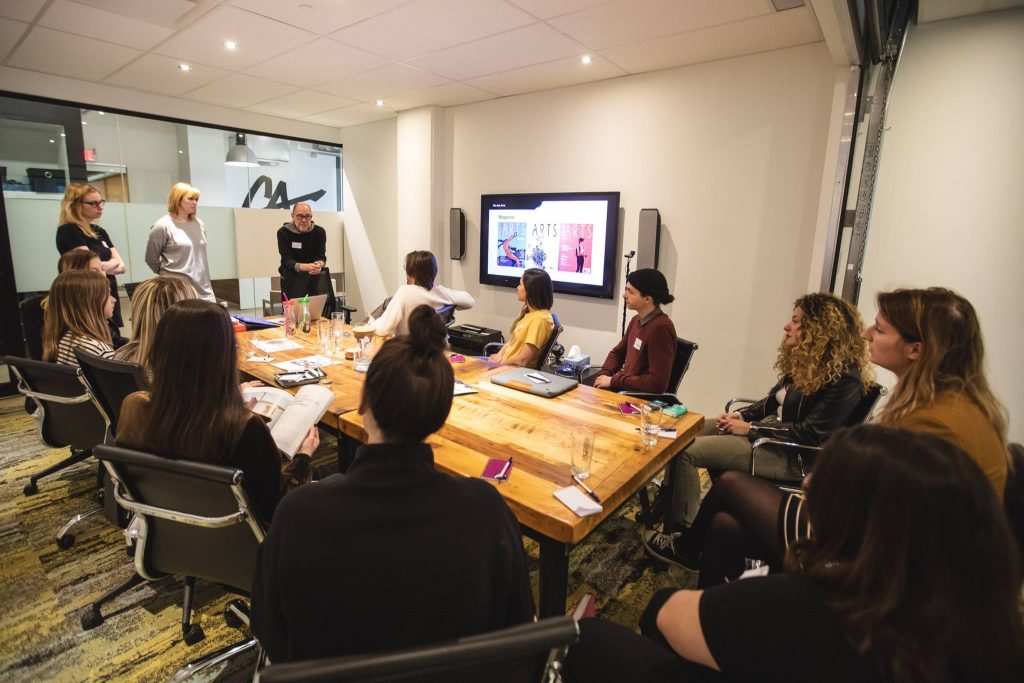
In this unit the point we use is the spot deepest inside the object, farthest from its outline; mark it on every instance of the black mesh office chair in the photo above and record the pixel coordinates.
(545, 351)
(447, 314)
(680, 364)
(32, 325)
(529, 652)
(194, 521)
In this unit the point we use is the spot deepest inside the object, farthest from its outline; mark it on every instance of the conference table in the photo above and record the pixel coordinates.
(501, 422)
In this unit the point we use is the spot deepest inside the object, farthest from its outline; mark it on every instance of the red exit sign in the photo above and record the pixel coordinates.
(90, 154)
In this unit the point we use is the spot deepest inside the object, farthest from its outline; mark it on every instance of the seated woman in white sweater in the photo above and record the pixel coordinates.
(420, 271)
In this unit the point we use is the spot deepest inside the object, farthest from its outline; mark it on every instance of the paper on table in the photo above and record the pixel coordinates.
(300, 364)
(577, 501)
(272, 345)
(461, 388)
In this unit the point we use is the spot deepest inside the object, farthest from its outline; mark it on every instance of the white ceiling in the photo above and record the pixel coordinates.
(328, 61)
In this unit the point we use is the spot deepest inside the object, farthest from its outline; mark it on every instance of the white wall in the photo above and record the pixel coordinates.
(949, 209)
(731, 152)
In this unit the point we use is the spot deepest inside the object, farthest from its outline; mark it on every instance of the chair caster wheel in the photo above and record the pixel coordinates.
(231, 618)
(30, 489)
(194, 634)
(91, 620)
(66, 541)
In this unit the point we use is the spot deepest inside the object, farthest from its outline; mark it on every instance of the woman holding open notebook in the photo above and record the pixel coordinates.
(194, 408)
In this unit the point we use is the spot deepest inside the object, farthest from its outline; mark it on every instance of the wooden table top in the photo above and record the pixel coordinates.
(499, 422)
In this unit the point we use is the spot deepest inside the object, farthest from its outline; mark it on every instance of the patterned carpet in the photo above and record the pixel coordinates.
(44, 590)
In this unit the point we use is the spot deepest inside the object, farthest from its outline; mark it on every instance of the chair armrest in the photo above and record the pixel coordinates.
(490, 347)
(764, 441)
(746, 401)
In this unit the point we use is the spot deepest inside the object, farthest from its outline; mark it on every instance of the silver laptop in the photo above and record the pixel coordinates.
(535, 382)
(316, 305)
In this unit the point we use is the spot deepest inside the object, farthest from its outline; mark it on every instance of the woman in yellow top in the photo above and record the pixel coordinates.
(533, 327)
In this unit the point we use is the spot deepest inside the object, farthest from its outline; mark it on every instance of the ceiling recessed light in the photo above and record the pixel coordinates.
(230, 45)
(100, 113)
(180, 152)
(85, 123)
(585, 59)
(51, 140)
(63, 135)
(379, 103)
(185, 67)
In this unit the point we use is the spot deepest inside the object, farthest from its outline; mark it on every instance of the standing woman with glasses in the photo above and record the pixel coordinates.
(177, 242)
(81, 207)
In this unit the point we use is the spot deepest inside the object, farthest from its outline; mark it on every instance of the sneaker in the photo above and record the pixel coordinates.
(662, 547)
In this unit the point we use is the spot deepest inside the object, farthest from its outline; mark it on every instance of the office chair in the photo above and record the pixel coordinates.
(447, 314)
(798, 451)
(195, 521)
(70, 415)
(680, 364)
(529, 652)
(545, 351)
(110, 382)
(129, 289)
(32, 325)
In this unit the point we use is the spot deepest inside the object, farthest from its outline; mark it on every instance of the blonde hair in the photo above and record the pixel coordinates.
(75, 305)
(952, 354)
(71, 207)
(179, 193)
(150, 300)
(829, 343)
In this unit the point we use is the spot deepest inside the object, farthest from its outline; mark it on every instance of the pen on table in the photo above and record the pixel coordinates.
(504, 470)
(590, 491)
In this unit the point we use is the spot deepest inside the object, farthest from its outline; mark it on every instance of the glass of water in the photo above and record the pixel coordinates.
(338, 332)
(650, 423)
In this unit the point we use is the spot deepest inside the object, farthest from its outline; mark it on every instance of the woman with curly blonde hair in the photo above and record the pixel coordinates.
(824, 371)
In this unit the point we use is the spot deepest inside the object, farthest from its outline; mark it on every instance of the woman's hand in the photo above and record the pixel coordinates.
(723, 419)
(311, 442)
(249, 385)
(735, 426)
(495, 357)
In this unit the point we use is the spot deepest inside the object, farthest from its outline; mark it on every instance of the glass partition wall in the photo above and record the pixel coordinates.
(133, 161)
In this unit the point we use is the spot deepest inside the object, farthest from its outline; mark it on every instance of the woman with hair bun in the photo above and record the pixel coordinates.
(419, 289)
(394, 553)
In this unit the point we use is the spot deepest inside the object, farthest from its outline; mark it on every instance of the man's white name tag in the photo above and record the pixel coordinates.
(296, 245)
(637, 343)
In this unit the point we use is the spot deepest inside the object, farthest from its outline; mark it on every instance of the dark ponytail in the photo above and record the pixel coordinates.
(410, 381)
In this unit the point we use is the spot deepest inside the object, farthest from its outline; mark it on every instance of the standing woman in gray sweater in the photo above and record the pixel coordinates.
(177, 242)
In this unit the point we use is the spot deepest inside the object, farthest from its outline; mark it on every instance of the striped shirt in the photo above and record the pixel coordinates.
(70, 341)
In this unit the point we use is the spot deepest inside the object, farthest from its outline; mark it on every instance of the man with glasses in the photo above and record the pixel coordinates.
(303, 248)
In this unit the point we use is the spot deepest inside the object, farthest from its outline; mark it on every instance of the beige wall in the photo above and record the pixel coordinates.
(949, 209)
(731, 152)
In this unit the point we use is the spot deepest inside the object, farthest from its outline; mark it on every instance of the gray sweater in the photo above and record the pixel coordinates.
(178, 249)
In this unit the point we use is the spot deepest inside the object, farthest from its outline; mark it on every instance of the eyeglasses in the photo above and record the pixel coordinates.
(96, 205)
(304, 216)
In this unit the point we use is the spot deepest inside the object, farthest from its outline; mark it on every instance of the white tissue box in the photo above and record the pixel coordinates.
(578, 363)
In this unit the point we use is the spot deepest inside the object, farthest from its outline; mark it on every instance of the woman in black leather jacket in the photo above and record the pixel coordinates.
(824, 371)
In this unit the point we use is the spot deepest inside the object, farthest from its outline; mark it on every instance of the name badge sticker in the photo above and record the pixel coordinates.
(637, 343)
(296, 245)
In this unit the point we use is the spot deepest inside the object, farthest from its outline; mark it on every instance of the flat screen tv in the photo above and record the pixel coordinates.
(571, 235)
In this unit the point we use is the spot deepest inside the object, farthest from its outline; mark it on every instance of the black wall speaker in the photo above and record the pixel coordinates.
(457, 233)
(648, 240)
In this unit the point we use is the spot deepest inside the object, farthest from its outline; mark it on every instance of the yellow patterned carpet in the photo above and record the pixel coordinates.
(44, 590)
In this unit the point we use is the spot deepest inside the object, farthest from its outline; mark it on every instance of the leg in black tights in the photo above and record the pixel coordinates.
(739, 518)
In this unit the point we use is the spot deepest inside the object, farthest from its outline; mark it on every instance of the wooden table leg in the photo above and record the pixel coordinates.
(554, 577)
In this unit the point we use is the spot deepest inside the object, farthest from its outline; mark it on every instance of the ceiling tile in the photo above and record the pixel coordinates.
(167, 13)
(258, 38)
(88, 21)
(448, 95)
(350, 116)
(557, 74)
(299, 104)
(423, 26)
(155, 73)
(545, 9)
(239, 90)
(770, 32)
(10, 32)
(65, 54)
(22, 10)
(318, 62)
(380, 83)
(628, 21)
(522, 47)
(322, 17)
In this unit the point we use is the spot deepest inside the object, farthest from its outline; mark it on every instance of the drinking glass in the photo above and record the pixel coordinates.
(650, 423)
(324, 336)
(338, 331)
(582, 452)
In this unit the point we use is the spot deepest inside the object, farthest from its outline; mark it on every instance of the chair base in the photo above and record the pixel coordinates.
(66, 540)
(94, 617)
(213, 659)
(76, 457)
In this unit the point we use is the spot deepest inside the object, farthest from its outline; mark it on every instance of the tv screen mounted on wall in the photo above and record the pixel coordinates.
(571, 235)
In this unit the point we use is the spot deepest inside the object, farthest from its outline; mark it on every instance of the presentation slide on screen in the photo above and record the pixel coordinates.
(565, 238)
